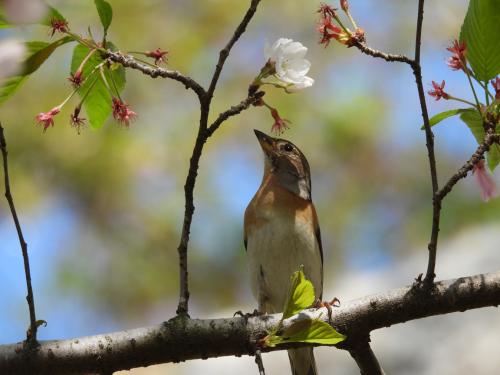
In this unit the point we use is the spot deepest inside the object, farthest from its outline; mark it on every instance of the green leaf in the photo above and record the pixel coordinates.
(98, 102)
(10, 86)
(436, 119)
(105, 13)
(300, 295)
(480, 31)
(307, 330)
(475, 123)
(38, 53)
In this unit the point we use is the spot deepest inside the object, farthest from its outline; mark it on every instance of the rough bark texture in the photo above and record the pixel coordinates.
(181, 339)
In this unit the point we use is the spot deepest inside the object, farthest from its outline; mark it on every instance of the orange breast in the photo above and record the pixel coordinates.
(272, 202)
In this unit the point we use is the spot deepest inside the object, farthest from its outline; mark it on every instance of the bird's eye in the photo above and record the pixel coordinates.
(288, 147)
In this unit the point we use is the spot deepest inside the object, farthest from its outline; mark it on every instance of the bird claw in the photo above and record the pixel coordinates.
(328, 304)
(246, 316)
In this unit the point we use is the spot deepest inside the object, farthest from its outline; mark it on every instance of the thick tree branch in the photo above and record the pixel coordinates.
(129, 62)
(31, 334)
(181, 339)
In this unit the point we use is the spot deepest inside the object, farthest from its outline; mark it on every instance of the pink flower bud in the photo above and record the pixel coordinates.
(485, 181)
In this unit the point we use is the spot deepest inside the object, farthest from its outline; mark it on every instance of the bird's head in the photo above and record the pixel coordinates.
(283, 159)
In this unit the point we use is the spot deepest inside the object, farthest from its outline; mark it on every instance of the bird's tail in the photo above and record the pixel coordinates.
(302, 361)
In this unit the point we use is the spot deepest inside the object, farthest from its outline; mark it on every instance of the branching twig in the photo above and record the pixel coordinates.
(185, 339)
(383, 55)
(366, 359)
(203, 133)
(489, 139)
(32, 331)
(233, 111)
(429, 135)
(224, 53)
(129, 62)
(260, 364)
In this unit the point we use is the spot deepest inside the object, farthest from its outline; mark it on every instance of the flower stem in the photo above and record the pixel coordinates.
(486, 94)
(103, 76)
(84, 61)
(478, 105)
(87, 92)
(461, 100)
(337, 18)
(484, 86)
(351, 19)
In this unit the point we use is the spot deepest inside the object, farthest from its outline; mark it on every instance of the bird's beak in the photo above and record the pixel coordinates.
(266, 142)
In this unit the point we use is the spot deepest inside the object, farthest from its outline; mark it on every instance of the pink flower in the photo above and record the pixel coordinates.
(326, 10)
(457, 60)
(58, 25)
(280, 124)
(344, 5)
(122, 113)
(438, 91)
(485, 181)
(496, 85)
(76, 79)
(47, 118)
(158, 55)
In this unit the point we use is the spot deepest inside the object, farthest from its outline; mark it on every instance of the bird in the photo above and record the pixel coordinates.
(282, 234)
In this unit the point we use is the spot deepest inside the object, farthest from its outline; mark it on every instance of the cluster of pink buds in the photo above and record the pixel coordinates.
(122, 113)
(331, 27)
(457, 61)
(47, 118)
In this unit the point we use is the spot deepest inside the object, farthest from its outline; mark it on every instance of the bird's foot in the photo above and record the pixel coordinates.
(328, 304)
(247, 316)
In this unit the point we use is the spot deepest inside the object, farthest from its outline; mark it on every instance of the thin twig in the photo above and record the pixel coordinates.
(203, 134)
(130, 62)
(383, 55)
(429, 136)
(489, 139)
(233, 111)
(224, 53)
(32, 331)
(260, 364)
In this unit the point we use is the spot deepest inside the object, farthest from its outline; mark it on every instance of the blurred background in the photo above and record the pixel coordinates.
(102, 211)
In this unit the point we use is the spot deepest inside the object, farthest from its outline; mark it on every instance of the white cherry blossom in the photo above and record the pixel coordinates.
(289, 63)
